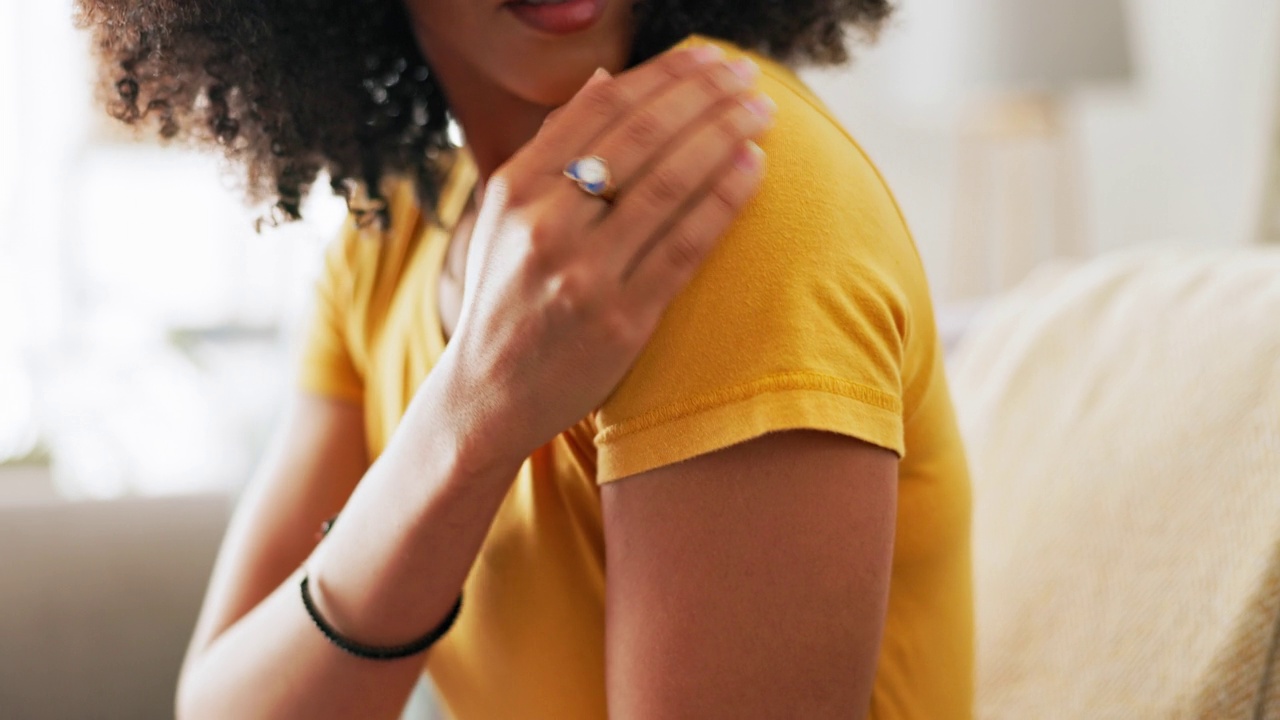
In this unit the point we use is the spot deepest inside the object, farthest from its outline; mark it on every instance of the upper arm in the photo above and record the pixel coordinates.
(749, 458)
(317, 459)
(750, 582)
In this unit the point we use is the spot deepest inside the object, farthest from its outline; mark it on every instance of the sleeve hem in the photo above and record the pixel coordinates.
(791, 401)
(330, 388)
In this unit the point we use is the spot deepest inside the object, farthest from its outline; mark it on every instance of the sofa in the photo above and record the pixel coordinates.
(1123, 423)
(97, 600)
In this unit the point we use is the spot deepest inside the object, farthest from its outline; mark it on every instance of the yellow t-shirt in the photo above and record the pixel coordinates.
(813, 312)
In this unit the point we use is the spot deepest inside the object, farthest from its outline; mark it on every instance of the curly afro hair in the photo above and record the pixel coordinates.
(292, 89)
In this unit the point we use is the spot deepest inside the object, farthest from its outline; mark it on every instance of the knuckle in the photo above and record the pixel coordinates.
(544, 236)
(500, 186)
(605, 99)
(675, 63)
(728, 129)
(644, 128)
(717, 80)
(682, 250)
(666, 187)
(744, 120)
(508, 187)
(726, 197)
(570, 297)
(619, 330)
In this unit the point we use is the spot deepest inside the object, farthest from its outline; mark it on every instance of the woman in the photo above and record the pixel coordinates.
(600, 336)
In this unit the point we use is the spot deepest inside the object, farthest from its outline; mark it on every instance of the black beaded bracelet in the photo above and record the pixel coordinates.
(373, 652)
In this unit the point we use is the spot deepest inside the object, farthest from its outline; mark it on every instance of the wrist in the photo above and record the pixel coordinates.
(480, 435)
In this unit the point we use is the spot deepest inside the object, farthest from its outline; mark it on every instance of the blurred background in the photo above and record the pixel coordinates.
(146, 330)
(148, 334)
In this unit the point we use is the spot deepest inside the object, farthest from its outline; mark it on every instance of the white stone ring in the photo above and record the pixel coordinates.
(592, 174)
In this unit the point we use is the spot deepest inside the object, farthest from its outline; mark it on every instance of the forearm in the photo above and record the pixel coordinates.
(389, 571)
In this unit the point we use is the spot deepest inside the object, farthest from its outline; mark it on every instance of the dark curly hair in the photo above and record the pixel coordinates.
(292, 89)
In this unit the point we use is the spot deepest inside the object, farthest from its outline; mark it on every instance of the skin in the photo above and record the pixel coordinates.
(780, 610)
(473, 45)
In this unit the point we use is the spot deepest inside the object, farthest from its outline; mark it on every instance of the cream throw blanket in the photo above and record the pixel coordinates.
(1123, 423)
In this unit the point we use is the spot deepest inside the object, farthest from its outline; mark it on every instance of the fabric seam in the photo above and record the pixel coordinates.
(773, 383)
(804, 93)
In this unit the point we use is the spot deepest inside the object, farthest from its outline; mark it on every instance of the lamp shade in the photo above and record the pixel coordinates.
(1038, 45)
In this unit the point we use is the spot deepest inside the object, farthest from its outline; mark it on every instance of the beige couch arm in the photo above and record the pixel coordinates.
(1123, 421)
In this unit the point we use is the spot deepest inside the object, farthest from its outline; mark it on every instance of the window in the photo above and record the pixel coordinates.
(145, 329)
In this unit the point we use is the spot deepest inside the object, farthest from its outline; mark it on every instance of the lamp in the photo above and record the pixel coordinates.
(1019, 195)
(1039, 46)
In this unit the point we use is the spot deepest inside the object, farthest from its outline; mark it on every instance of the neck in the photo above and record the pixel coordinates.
(496, 125)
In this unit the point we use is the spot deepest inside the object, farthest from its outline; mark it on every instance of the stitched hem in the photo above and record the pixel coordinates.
(786, 402)
(724, 396)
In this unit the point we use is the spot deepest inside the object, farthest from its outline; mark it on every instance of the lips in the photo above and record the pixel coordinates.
(557, 17)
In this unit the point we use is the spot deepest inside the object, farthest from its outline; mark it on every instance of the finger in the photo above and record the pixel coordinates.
(671, 261)
(651, 128)
(657, 197)
(597, 77)
(600, 104)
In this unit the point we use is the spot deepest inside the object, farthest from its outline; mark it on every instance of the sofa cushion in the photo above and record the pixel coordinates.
(1123, 423)
(98, 601)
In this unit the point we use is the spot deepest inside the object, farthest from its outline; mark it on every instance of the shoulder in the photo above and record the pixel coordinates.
(359, 242)
(822, 194)
(824, 222)
(366, 256)
(800, 318)
(815, 164)
(376, 254)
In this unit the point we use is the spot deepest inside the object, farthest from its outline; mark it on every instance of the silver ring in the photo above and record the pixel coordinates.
(592, 174)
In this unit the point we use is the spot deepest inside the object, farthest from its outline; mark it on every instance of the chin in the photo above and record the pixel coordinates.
(552, 89)
(549, 71)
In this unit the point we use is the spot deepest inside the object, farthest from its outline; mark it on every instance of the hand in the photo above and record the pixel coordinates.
(563, 290)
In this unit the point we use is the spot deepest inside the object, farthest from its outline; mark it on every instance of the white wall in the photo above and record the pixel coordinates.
(1177, 156)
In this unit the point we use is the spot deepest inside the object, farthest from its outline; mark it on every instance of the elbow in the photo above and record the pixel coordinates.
(185, 705)
(182, 709)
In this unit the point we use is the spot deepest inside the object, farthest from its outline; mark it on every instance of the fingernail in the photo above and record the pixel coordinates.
(706, 53)
(750, 157)
(762, 105)
(745, 69)
(600, 75)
